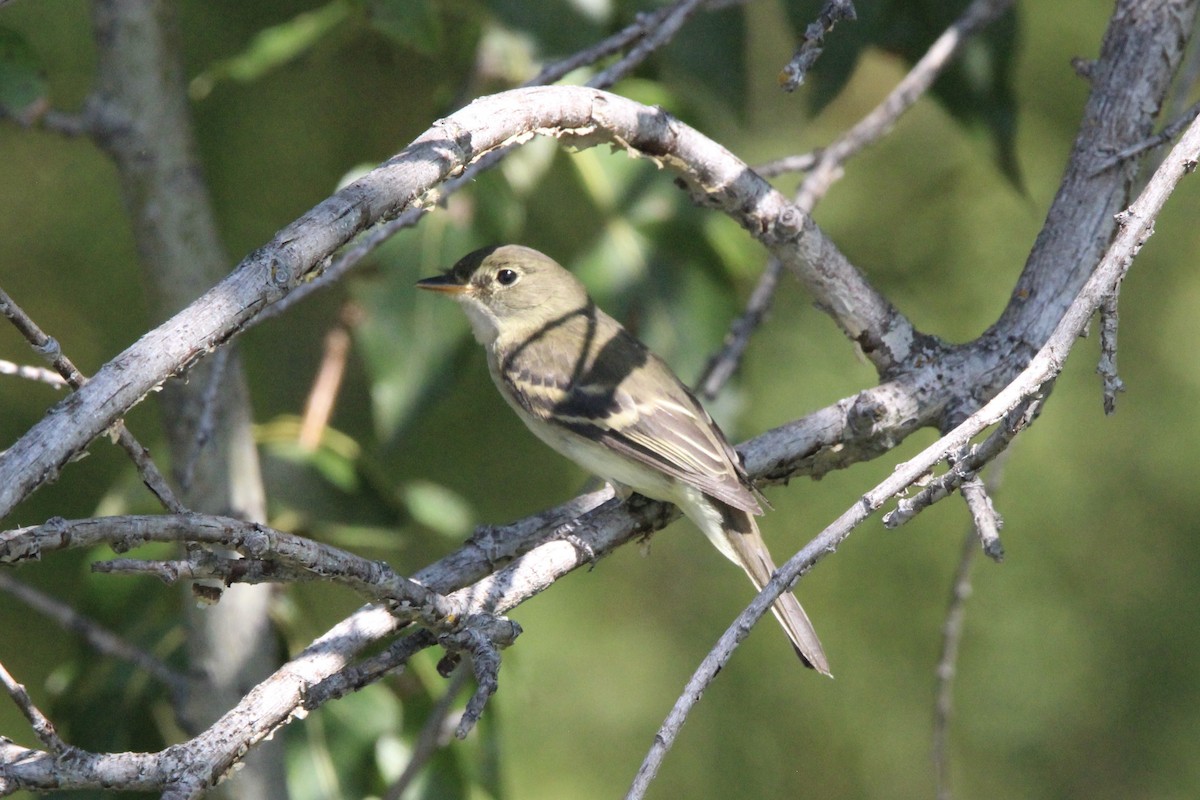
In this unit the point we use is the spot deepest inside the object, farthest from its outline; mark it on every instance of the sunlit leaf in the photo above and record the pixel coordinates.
(272, 48)
(438, 507)
(333, 481)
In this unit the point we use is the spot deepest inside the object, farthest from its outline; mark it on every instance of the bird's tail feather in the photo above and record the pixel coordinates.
(752, 555)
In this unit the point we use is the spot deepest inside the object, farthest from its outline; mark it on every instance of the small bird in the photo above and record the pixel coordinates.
(589, 389)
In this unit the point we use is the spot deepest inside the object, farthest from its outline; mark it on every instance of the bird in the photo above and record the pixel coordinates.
(596, 394)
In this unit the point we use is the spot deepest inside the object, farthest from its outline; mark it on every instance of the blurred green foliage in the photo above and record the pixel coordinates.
(1075, 679)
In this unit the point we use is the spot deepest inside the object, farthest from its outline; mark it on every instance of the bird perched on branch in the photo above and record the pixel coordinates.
(586, 387)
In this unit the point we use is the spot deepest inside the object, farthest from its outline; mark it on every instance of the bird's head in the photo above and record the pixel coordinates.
(510, 291)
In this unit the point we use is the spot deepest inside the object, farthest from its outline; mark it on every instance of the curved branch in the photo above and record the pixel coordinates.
(263, 547)
(850, 430)
(1137, 225)
(581, 117)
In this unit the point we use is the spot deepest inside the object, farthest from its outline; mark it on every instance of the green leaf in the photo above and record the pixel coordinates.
(332, 481)
(22, 81)
(337, 758)
(272, 48)
(410, 23)
(439, 508)
(403, 357)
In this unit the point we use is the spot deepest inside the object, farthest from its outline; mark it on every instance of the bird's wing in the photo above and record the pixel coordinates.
(623, 396)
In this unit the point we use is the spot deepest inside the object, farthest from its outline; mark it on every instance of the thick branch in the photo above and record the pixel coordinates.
(1138, 57)
(874, 420)
(581, 116)
(1137, 224)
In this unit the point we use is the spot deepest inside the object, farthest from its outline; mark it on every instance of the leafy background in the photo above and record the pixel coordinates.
(1077, 672)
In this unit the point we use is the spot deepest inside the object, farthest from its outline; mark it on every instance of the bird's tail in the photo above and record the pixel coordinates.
(751, 554)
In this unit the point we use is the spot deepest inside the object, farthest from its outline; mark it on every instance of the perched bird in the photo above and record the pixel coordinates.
(586, 387)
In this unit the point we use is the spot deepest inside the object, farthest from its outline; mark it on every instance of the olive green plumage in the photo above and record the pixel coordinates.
(589, 389)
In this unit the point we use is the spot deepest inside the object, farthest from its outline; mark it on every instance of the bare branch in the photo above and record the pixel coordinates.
(43, 344)
(1159, 139)
(373, 579)
(96, 636)
(1136, 226)
(39, 374)
(966, 465)
(951, 637)
(49, 348)
(41, 724)
(604, 530)
(813, 42)
(722, 365)
(987, 522)
(580, 116)
(1108, 351)
(826, 166)
(1141, 48)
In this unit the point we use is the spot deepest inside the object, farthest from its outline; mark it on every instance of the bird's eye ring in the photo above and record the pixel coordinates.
(506, 277)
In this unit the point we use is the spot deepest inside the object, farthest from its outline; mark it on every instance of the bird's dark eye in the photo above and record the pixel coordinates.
(506, 277)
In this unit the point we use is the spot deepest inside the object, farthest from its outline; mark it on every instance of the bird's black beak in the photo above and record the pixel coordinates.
(445, 284)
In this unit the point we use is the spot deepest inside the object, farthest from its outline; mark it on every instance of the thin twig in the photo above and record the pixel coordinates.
(43, 344)
(813, 42)
(663, 29)
(986, 520)
(368, 670)
(49, 348)
(952, 630)
(965, 466)
(207, 566)
(374, 580)
(1173, 129)
(1137, 224)
(645, 25)
(826, 164)
(96, 636)
(1107, 366)
(722, 365)
(433, 736)
(41, 724)
(880, 121)
(39, 374)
